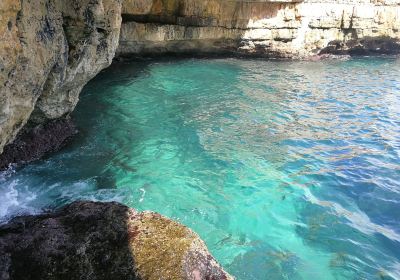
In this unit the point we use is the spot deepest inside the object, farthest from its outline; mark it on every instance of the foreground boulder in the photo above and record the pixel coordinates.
(93, 240)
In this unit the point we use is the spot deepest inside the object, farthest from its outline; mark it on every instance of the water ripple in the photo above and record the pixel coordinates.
(288, 170)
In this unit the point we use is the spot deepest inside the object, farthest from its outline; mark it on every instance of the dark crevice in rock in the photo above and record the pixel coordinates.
(350, 29)
(9, 25)
(187, 22)
(163, 19)
(33, 143)
(48, 31)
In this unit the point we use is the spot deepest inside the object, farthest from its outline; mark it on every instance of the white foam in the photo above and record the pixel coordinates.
(143, 194)
(15, 199)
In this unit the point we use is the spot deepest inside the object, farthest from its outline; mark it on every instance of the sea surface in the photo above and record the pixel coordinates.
(287, 170)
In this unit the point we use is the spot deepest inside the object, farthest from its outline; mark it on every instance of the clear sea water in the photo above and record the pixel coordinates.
(287, 170)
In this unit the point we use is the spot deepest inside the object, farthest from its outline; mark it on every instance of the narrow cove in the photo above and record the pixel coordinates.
(287, 170)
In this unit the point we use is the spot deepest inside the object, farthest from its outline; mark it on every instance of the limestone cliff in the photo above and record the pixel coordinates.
(287, 29)
(49, 50)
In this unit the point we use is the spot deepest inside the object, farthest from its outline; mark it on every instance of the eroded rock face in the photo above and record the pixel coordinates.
(89, 240)
(91, 33)
(49, 50)
(289, 29)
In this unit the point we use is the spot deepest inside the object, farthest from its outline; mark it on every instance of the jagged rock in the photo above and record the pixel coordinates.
(287, 29)
(49, 49)
(93, 240)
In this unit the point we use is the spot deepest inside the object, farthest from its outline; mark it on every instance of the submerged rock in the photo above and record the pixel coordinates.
(93, 240)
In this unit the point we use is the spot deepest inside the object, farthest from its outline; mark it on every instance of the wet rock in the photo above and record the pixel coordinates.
(364, 46)
(93, 240)
(33, 143)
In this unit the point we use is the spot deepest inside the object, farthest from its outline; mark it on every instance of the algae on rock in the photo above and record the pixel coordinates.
(94, 240)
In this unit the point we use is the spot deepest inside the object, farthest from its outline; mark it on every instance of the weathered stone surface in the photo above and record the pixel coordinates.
(48, 51)
(89, 240)
(91, 31)
(290, 29)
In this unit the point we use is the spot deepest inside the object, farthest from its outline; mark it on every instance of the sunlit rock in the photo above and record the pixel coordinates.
(89, 240)
(288, 29)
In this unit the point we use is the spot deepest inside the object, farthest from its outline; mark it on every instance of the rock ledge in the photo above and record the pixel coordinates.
(95, 240)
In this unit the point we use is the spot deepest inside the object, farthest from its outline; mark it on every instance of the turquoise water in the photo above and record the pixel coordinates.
(287, 170)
